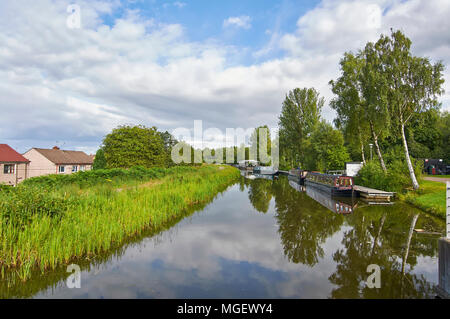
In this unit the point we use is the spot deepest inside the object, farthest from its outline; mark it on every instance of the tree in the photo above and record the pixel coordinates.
(411, 84)
(262, 147)
(169, 142)
(300, 115)
(376, 111)
(443, 151)
(128, 146)
(424, 135)
(360, 110)
(328, 150)
(349, 103)
(99, 160)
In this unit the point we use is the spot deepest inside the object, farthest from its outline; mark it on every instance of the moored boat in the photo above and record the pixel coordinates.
(248, 164)
(336, 185)
(265, 170)
(298, 175)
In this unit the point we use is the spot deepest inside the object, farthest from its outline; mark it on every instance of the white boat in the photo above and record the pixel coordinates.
(248, 164)
(265, 170)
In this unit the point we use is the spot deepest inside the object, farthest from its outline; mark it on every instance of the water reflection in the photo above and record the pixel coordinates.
(263, 239)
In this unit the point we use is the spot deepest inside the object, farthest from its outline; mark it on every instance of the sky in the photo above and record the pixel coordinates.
(168, 63)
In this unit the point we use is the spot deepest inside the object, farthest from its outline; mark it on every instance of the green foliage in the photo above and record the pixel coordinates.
(98, 219)
(430, 198)
(299, 117)
(442, 150)
(128, 146)
(20, 204)
(99, 160)
(349, 105)
(266, 145)
(102, 176)
(327, 149)
(395, 180)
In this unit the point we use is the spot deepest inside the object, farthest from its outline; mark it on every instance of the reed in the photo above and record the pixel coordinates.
(44, 229)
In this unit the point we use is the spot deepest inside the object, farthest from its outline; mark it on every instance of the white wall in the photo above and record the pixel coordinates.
(352, 169)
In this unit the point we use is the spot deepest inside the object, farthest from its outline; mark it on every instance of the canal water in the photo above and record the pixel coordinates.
(265, 239)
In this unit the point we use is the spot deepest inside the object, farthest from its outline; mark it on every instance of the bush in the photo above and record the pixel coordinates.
(20, 204)
(395, 180)
(100, 176)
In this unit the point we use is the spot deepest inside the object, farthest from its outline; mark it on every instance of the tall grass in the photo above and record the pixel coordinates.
(67, 223)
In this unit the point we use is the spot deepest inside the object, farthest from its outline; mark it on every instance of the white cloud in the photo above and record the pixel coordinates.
(335, 27)
(179, 4)
(146, 72)
(238, 22)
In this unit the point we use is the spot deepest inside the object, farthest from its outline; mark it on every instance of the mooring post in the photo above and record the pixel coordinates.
(443, 289)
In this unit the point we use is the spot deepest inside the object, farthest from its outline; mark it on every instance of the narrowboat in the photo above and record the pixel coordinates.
(265, 170)
(335, 185)
(298, 175)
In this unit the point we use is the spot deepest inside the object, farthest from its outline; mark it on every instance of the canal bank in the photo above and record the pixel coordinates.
(43, 229)
(264, 239)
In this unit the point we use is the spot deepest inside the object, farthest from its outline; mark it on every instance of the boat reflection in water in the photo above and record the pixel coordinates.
(250, 175)
(293, 182)
(335, 204)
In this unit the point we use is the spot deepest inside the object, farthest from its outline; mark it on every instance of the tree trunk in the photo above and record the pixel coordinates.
(375, 141)
(362, 149)
(408, 160)
(375, 241)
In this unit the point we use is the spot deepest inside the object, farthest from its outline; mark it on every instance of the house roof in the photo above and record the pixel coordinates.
(59, 156)
(7, 154)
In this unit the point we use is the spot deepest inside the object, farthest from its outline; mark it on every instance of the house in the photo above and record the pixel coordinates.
(13, 166)
(57, 161)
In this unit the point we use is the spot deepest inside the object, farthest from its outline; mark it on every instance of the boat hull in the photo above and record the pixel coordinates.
(334, 191)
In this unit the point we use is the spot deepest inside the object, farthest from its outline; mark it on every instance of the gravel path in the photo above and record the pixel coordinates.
(437, 179)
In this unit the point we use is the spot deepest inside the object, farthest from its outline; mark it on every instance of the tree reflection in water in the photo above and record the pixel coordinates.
(381, 238)
(304, 224)
(381, 235)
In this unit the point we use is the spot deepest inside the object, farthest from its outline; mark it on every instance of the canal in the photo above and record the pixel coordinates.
(264, 239)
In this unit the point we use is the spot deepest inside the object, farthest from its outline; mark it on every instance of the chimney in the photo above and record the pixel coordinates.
(55, 147)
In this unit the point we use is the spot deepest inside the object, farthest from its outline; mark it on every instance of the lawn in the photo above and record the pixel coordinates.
(430, 197)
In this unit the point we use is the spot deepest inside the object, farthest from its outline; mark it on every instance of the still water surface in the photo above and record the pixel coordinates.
(266, 239)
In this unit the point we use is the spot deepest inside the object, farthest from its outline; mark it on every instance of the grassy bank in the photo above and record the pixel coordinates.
(430, 198)
(60, 225)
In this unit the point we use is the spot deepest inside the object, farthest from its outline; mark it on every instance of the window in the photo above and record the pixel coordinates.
(61, 169)
(8, 169)
(74, 168)
(82, 168)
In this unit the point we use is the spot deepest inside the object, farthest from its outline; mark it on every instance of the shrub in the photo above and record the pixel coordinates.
(20, 204)
(100, 176)
(395, 180)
